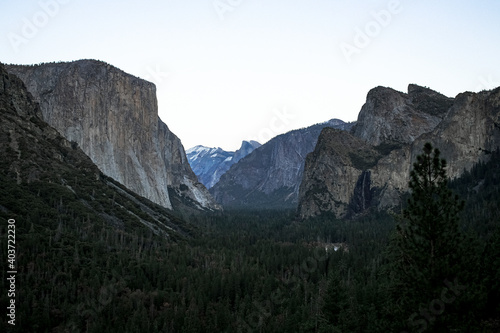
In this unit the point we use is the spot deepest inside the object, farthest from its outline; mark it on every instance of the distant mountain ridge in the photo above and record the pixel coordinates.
(270, 176)
(209, 164)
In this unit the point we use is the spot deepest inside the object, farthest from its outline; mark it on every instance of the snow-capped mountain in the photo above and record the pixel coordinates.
(209, 164)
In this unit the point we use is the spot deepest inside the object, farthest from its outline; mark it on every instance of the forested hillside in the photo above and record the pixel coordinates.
(244, 271)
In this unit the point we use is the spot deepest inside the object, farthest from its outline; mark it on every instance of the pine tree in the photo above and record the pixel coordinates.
(427, 256)
(491, 277)
(335, 302)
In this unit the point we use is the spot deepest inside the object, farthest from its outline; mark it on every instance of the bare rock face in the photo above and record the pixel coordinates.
(470, 131)
(332, 171)
(113, 117)
(350, 173)
(390, 115)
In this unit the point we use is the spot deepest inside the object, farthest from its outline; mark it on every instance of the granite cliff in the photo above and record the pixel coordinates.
(270, 176)
(392, 116)
(50, 181)
(349, 173)
(113, 117)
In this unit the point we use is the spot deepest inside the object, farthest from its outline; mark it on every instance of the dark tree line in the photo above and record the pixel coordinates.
(434, 268)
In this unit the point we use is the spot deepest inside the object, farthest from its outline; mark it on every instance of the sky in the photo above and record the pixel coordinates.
(233, 70)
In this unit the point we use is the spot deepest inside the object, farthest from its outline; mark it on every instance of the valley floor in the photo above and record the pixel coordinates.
(241, 271)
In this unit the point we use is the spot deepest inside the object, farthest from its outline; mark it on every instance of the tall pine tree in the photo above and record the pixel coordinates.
(426, 252)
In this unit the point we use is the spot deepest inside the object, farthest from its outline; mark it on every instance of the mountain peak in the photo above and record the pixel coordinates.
(429, 101)
(393, 116)
(417, 89)
(252, 143)
(209, 164)
(197, 149)
(249, 145)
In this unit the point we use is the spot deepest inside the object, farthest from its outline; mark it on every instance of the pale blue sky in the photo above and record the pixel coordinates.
(229, 70)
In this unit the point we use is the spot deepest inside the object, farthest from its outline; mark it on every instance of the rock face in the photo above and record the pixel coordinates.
(246, 148)
(346, 175)
(209, 164)
(39, 164)
(469, 132)
(350, 172)
(270, 176)
(113, 117)
(333, 170)
(390, 115)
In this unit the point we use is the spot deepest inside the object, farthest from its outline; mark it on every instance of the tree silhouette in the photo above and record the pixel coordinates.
(427, 255)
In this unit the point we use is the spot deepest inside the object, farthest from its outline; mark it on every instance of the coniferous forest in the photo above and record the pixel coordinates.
(431, 266)
(231, 166)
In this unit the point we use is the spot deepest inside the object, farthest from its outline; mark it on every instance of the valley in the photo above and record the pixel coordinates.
(320, 229)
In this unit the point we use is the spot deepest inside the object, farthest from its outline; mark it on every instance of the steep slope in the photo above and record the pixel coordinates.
(113, 117)
(332, 172)
(270, 176)
(390, 115)
(345, 177)
(48, 180)
(209, 164)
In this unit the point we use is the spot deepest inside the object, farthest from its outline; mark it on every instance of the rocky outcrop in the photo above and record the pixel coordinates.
(245, 149)
(332, 171)
(209, 164)
(392, 116)
(270, 176)
(469, 132)
(350, 173)
(113, 117)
